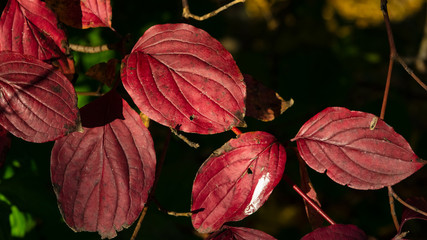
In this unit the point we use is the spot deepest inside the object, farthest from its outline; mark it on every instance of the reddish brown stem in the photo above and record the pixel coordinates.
(236, 131)
(387, 88)
(309, 201)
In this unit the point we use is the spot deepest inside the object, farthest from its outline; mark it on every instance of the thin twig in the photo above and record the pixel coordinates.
(417, 210)
(90, 49)
(393, 54)
(387, 88)
(392, 209)
(308, 199)
(395, 57)
(410, 72)
(153, 188)
(172, 213)
(187, 14)
(138, 224)
(184, 138)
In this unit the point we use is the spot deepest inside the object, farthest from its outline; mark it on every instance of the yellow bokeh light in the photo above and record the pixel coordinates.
(367, 13)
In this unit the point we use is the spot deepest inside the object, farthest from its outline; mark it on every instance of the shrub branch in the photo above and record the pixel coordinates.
(187, 14)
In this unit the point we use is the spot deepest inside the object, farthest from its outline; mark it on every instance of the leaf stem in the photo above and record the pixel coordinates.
(309, 201)
(187, 14)
(172, 213)
(236, 131)
(150, 196)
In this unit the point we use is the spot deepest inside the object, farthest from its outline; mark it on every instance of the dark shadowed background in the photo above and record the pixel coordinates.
(320, 53)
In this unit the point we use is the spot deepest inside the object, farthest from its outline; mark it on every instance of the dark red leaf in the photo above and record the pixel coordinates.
(104, 72)
(236, 180)
(102, 177)
(356, 148)
(183, 78)
(37, 103)
(30, 28)
(5, 143)
(263, 103)
(83, 13)
(336, 231)
(239, 233)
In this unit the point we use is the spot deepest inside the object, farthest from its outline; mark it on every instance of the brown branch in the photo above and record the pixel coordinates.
(187, 14)
(410, 72)
(138, 224)
(415, 209)
(90, 49)
(172, 213)
(184, 138)
(392, 209)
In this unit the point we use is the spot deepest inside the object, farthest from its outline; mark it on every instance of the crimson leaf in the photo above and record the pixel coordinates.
(102, 177)
(37, 103)
(336, 231)
(356, 148)
(239, 233)
(236, 180)
(30, 28)
(181, 77)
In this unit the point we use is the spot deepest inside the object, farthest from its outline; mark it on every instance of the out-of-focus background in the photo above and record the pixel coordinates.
(319, 53)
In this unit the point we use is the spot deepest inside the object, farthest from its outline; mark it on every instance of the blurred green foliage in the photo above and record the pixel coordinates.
(301, 57)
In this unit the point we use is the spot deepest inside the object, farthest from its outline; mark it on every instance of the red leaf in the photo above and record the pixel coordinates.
(37, 103)
(102, 177)
(183, 78)
(236, 180)
(356, 148)
(239, 233)
(30, 28)
(83, 13)
(5, 143)
(336, 231)
(96, 13)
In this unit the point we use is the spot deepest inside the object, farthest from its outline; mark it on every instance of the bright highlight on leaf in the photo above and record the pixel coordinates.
(353, 151)
(102, 177)
(236, 180)
(37, 103)
(30, 28)
(181, 77)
